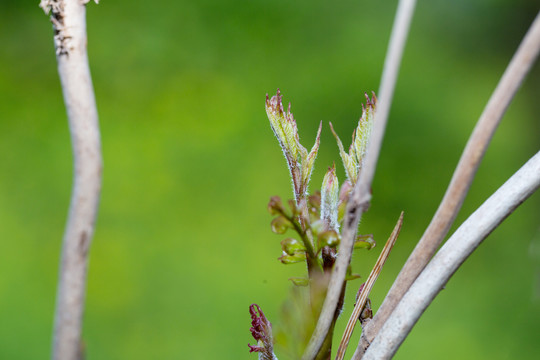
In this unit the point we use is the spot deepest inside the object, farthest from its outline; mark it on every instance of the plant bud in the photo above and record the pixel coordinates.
(328, 238)
(261, 330)
(275, 207)
(280, 225)
(291, 246)
(330, 199)
(292, 259)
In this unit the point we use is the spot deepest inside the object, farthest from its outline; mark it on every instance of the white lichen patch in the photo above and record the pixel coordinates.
(56, 9)
(53, 6)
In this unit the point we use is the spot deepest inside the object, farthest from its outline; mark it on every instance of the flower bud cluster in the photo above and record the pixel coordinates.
(261, 330)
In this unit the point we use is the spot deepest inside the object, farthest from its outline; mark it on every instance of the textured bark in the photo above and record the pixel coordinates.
(69, 24)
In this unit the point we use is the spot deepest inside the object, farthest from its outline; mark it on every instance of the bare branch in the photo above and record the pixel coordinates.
(453, 199)
(363, 296)
(69, 23)
(361, 195)
(454, 252)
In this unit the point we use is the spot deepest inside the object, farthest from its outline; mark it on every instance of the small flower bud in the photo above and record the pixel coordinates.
(328, 238)
(292, 259)
(275, 207)
(367, 312)
(280, 225)
(291, 246)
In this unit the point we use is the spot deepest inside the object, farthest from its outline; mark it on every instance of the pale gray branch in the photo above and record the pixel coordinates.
(69, 22)
(457, 190)
(454, 252)
(360, 197)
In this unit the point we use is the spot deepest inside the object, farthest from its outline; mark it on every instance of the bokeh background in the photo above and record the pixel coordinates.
(183, 244)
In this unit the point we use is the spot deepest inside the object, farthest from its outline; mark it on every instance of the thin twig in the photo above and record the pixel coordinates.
(468, 164)
(454, 252)
(70, 43)
(361, 196)
(363, 296)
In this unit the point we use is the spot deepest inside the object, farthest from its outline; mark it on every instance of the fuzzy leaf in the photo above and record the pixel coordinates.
(349, 162)
(353, 161)
(363, 131)
(285, 129)
(309, 160)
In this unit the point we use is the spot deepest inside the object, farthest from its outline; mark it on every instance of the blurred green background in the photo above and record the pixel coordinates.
(183, 245)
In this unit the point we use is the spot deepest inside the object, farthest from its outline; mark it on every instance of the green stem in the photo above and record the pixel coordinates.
(303, 236)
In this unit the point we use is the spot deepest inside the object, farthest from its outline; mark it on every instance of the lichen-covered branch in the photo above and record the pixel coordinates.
(69, 24)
